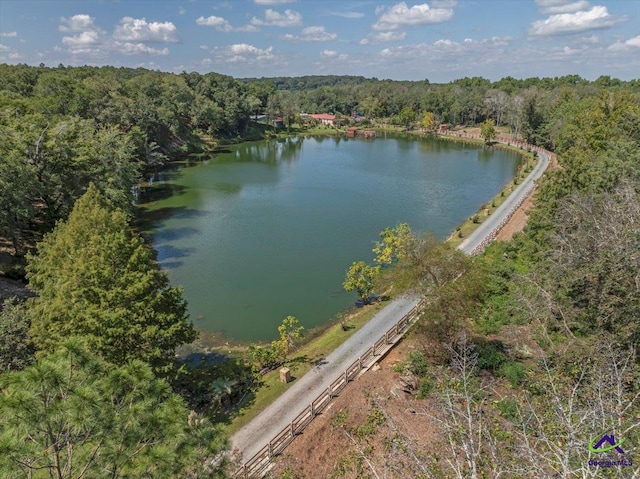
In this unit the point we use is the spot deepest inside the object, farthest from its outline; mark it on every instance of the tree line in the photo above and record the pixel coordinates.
(102, 333)
(64, 127)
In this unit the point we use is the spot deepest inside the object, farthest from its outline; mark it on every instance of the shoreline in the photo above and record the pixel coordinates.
(212, 341)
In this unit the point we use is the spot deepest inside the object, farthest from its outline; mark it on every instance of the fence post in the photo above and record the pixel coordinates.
(270, 449)
(330, 392)
(313, 412)
(346, 376)
(360, 363)
(292, 430)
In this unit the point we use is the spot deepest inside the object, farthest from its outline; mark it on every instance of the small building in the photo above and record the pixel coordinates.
(443, 128)
(278, 123)
(369, 134)
(324, 118)
(352, 131)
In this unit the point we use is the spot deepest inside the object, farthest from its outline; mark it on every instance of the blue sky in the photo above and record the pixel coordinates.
(440, 40)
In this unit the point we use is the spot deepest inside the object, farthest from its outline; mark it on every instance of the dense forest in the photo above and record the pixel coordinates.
(89, 380)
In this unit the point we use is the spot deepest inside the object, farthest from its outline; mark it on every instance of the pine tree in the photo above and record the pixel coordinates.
(97, 279)
(72, 415)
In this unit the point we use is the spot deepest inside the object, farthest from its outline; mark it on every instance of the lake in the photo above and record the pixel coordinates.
(268, 229)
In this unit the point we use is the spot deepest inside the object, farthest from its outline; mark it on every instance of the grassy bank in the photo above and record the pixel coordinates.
(302, 360)
(471, 224)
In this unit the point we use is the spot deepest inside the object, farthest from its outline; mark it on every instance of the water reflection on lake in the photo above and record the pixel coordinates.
(267, 229)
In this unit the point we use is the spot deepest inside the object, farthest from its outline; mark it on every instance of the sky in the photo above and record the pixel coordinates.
(438, 40)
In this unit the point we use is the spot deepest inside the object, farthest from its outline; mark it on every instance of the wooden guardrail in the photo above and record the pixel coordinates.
(257, 465)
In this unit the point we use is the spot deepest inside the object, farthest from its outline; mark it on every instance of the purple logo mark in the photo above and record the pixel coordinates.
(597, 447)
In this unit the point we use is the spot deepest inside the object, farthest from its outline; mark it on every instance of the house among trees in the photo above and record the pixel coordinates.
(324, 118)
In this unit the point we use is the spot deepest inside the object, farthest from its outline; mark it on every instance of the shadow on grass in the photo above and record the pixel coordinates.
(215, 385)
(370, 300)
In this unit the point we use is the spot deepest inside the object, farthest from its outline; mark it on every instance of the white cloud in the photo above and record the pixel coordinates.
(78, 23)
(9, 34)
(219, 23)
(83, 39)
(596, 18)
(129, 37)
(222, 25)
(140, 31)
(243, 53)
(14, 56)
(593, 39)
(626, 45)
(272, 2)
(4, 48)
(182, 10)
(445, 43)
(334, 55)
(89, 38)
(311, 34)
(246, 28)
(139, 49)
(277, 19)
(399, 15)
(345, 14)
(500, 41)
(553, 7)
(383, 37)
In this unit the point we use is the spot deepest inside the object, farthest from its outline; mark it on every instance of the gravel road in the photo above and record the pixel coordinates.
(489, 228)
(253, 436)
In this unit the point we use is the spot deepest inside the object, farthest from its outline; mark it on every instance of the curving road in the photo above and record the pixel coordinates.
(257, 433)
(489, 228)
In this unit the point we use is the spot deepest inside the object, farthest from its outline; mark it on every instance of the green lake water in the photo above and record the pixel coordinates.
(267, 229)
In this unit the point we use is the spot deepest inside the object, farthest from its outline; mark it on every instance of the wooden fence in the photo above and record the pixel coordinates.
(258, 465)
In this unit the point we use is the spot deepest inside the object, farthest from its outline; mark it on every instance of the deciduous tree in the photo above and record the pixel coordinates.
(488, 131)
(360, 277)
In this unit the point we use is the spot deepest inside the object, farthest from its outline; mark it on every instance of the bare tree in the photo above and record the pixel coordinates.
(570, 404)
(467, 430)
(496, 103)
(515, 113)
